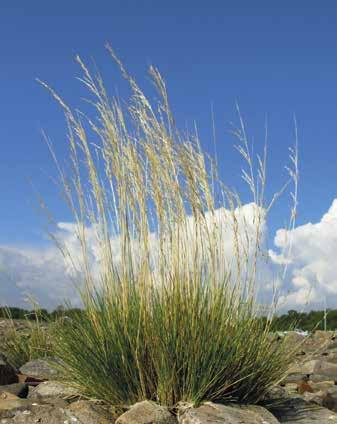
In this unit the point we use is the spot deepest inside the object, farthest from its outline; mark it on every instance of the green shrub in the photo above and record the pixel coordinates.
(169, 315)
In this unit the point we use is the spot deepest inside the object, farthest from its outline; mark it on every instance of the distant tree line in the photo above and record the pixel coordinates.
(313, 320)
(42, 314)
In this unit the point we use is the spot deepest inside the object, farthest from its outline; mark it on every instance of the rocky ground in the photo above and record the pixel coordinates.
(18, 324)
(32, 394)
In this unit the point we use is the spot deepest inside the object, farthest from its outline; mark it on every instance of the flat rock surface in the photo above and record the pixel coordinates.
(40, 369)
(18, 389)
(89, 413)
(216, 413)
(9, 407)
(82, 412)
(52, 390)
(299, 411)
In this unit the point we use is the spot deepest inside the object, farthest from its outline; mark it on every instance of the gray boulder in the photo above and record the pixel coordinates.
(42, 414)
(9, 407)
(322, 385)
(327, 368)
(216, 413)
(18, 389)
(52, 390)
(300, 411)
(40, 369)
(318, 378)
(147, 412)
(294, 378)
(315, 367)
(82, 412)
(308, 367)
(87, 412)
(329, 398)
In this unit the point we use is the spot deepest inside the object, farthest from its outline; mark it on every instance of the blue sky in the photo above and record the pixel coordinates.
(274, 58)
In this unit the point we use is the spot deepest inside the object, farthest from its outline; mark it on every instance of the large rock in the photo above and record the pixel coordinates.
(316, 397)
(293, 339)
(332, 345)
(82, 412)
(299, 411)
(146, 412)
(9, 407)
(275, 393)
(294, 378)
(330, 357)
(18, 389)
(88, 413)
(8, 396)
(313, 344)
(322, 385)
(42, 414)
(329, 398)
(216, 413)
(306, 368)
(40, 369)
(314, 367)
(326, 368)
(52, 390)
(325, 336)
(8, 373)
(318, 378)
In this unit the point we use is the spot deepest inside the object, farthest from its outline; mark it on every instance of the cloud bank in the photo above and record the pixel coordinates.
(39, 273)
(311, 276)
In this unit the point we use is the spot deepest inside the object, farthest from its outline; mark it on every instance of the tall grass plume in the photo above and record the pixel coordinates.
(171, 303)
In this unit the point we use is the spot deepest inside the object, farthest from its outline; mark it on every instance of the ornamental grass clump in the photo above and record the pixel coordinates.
(167, 264)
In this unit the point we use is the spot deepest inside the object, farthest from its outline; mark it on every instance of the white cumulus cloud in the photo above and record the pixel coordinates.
(36, 272)
(48, 276)
(312, 276)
